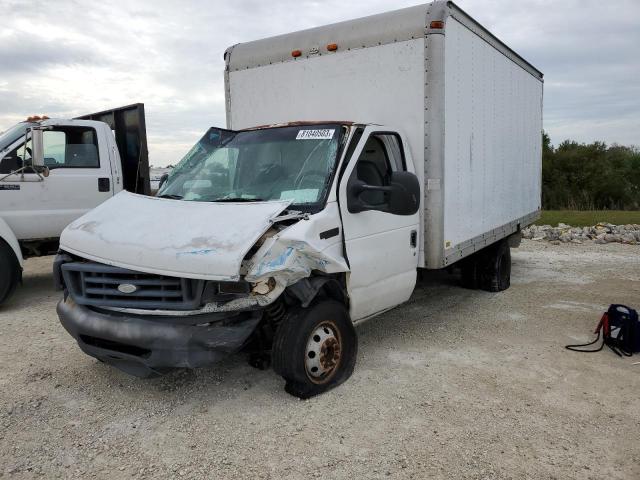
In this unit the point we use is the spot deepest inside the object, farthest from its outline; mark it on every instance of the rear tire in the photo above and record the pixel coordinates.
(9, 272)
(495, 272)
(488, 269)
(315, 348)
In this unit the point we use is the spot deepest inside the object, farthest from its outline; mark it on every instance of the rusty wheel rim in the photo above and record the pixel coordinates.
(323, 352)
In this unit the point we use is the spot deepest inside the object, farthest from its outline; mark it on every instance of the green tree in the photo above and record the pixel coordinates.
(589, 176)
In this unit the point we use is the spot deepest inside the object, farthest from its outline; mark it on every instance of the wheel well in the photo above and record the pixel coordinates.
(329, 286)
(4, 245)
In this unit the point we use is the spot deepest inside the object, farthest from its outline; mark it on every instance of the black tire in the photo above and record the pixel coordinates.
(495, 269)
(323, 327)
(9, 272)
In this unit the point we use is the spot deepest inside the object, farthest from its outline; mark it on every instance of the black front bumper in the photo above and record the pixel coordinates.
(145, 346)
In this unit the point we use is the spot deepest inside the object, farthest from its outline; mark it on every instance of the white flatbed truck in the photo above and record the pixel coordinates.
(82, 162)
(355, 154)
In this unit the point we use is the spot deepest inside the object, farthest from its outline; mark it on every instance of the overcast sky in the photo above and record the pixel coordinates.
(66, 57)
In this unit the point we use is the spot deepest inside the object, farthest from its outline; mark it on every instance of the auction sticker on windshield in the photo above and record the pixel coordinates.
(321, 134)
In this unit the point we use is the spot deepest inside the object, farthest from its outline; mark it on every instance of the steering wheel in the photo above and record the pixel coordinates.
(318, 177)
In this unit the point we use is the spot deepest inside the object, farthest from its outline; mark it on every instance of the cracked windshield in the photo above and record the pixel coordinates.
(284, 163)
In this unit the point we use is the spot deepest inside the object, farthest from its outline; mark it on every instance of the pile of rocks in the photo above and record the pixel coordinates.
(600, 233)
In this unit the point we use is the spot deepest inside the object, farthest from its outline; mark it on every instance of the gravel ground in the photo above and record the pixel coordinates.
(453, 384)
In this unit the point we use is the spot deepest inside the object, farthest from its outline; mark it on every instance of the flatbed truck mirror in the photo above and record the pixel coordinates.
(37, 148)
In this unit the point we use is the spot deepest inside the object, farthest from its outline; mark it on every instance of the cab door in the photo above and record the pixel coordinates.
(80, 179)
(381, 247)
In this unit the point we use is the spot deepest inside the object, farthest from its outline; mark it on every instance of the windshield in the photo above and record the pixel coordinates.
(284, 163)
(13, 134)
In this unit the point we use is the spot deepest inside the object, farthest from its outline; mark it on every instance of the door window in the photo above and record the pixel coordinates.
(71, 147)
(381, 156)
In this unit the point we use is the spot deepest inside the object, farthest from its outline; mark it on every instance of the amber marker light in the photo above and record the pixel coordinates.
(437, 24)
(332, 47)
(296, 53)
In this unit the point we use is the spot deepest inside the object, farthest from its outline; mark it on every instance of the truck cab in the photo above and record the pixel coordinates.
(262, 222)
(52, 171)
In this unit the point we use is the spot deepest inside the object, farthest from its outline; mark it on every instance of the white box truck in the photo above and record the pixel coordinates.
(53, 171)
(354, 155)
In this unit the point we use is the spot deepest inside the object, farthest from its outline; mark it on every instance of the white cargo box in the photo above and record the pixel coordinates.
(470, 107)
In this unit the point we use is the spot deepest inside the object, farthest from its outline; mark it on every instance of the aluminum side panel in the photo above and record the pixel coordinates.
(492, 144)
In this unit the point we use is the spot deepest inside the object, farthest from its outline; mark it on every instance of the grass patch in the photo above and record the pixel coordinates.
(586, 218)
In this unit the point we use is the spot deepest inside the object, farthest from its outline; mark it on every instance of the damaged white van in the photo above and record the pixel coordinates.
(278, 239)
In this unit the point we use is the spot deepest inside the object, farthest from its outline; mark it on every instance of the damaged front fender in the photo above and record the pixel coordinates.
(295, 252)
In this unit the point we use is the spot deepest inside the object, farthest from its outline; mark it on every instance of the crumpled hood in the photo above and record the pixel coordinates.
(171, 237)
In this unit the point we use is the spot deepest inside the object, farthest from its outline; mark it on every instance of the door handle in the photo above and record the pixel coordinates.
(413, 239)
(104, 184)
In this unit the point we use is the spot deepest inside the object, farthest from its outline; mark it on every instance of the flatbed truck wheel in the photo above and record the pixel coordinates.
(9, 272)
(315, 348)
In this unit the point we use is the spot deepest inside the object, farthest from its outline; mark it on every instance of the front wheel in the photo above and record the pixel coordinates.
(9, 272)
(315, 348)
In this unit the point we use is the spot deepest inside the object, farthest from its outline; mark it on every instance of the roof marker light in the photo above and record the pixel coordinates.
(37, 118)
(296, 53)
(332, 47)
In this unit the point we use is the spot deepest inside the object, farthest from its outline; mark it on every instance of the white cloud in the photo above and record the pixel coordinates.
(70, 57)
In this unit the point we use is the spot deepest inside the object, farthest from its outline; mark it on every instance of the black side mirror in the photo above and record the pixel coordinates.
(402, 195)
(405, 196)
(163, 179)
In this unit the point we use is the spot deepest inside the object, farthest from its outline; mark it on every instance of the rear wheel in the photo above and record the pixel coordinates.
(9, 272)
(489, 269)
(495, 272)
(315, 348)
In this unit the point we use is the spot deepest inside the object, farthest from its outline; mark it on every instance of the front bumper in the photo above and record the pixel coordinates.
(145, 346)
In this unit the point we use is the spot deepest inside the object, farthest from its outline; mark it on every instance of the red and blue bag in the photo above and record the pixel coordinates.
(619, 328)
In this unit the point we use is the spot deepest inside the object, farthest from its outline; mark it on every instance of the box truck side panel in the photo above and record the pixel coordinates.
(492, 143)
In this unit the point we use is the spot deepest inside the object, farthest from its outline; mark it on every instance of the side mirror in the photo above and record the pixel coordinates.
(405, 195)
(402, 195)
(37, 150)
(163, 179)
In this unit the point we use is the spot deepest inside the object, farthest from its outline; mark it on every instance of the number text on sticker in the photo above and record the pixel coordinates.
(321, 134)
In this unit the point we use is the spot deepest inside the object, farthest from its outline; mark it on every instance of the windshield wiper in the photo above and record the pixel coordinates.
(238, 199)
(173, 197)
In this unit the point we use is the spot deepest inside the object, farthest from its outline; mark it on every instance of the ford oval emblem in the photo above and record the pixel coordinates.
(127, 288)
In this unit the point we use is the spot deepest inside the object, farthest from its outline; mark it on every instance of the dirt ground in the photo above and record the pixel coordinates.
(453, 384)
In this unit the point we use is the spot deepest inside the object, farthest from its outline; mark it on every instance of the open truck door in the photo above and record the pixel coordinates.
(130, 131)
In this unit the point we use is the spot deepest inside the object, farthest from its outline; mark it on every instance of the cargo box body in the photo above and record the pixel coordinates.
(470, 108)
